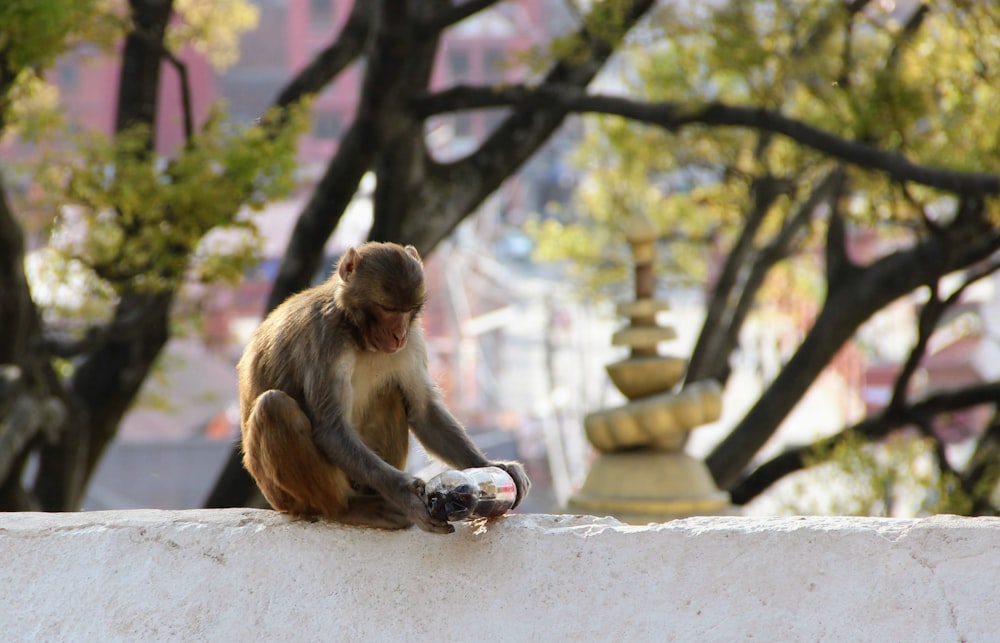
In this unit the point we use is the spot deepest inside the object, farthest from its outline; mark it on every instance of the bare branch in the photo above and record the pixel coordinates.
(927, 321)
(982, 473)
(827, 189)
(7, 76)
(328, 64)
(673, 116)
(910, 29)
(838, 264)
(930, 315)
(154, 39)
(18, 314)
(182, 73)
(715, 342)
(710, 348)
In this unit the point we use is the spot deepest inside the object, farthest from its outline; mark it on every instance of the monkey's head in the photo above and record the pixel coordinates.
(381, 291)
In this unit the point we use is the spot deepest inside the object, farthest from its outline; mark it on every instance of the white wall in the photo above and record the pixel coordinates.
(248, 575)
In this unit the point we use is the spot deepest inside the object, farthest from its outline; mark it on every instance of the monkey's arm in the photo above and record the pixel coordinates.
(444, 436)
(342, 446)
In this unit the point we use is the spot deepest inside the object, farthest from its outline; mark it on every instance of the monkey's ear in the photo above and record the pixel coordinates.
(410, 250)
(347, 264)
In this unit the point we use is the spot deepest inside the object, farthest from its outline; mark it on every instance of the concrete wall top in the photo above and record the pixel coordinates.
(252, 575)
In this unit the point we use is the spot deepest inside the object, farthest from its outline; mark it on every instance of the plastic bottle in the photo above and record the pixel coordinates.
(481, 492)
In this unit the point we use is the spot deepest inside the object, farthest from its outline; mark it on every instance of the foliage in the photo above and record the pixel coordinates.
(815, 61)
(897, 476)
(34, 109)
(213, 29)
(33, 33)
(135, 223)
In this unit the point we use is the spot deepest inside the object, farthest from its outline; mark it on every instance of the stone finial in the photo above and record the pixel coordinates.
(643, 474)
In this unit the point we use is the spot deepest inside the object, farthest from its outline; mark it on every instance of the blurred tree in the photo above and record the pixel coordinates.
(840, 103)
(130, 223)
(144, 218)
(776, 82)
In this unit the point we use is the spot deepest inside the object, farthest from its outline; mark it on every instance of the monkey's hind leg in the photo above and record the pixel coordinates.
(279, 452)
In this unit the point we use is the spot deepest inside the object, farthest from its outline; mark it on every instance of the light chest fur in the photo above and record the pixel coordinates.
(374, 372)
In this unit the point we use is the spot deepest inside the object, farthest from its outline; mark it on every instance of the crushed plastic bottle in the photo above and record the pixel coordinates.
(481, 492)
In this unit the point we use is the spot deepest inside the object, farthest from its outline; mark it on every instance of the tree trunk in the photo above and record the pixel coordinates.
(107, 381)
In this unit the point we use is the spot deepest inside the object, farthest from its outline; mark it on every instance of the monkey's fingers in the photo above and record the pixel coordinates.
(521, 481)
(416, 510)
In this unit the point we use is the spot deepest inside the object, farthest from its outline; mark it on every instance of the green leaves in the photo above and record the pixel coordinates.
(212, 28)
(898, 476)
(138, 221)
(924, 82)
(34, 32)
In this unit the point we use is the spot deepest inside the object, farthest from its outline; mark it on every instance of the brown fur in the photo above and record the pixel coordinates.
(330, 385)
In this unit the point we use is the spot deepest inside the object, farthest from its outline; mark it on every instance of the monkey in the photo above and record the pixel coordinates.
(331, 383)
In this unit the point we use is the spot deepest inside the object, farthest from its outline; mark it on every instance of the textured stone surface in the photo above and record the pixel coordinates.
(247, 575)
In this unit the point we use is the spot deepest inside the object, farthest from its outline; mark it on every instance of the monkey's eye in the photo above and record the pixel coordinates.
(389, 309)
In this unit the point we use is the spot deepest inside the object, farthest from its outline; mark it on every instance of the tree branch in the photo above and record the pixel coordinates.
(330, 62)
(871, 428)
(456, 188)
(838, 264)
(705, 358)
(186, 110)
(982, 473)
(720, 331)
(187, 113)
(930, 315)
(927, 321)
(18, 316)
(356, 154)
(865, 291)
(828, 189)
(673, 116)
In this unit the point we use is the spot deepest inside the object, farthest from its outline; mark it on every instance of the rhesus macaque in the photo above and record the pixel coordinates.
(330, 385)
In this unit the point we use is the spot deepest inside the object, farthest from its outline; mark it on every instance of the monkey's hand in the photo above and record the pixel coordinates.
(411, 501)
(516, 471)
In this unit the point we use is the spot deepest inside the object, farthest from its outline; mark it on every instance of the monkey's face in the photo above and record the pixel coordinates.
(382, 292)
(390, 327)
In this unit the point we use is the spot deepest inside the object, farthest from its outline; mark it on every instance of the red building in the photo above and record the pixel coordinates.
(292, 32)
(289, 35)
